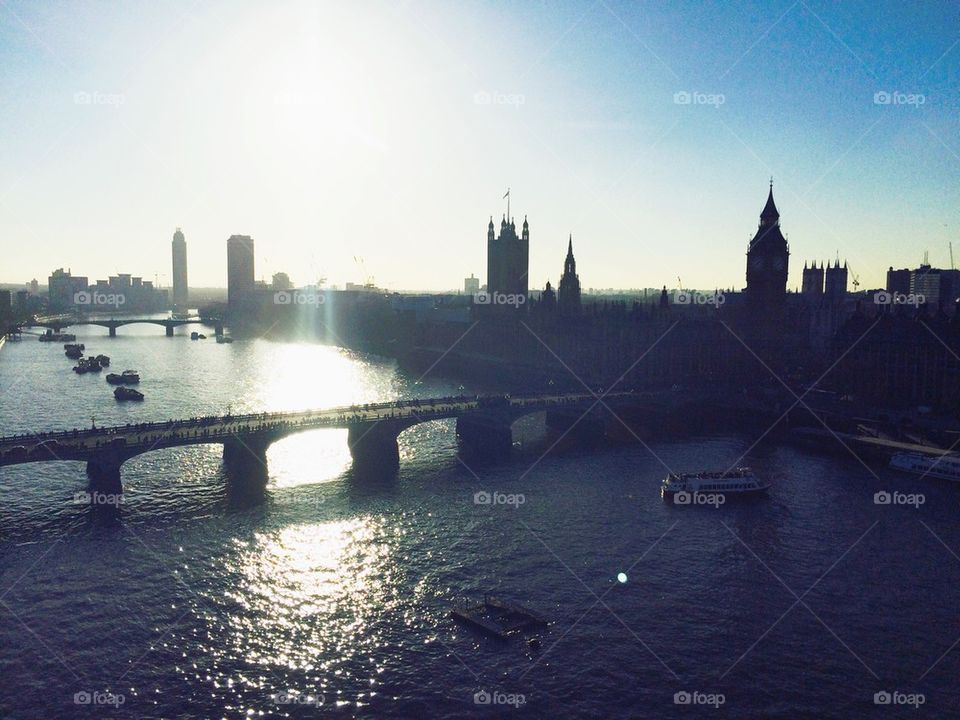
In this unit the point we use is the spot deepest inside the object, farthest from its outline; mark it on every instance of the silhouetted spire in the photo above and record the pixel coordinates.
(770, 214)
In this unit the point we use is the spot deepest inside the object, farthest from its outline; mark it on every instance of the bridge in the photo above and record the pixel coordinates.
(483, 429)
(113, 323)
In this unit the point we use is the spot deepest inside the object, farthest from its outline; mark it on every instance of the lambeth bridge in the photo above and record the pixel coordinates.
(483, 429)
(113, 323)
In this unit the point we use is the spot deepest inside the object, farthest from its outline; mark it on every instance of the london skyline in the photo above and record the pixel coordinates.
(387, 136)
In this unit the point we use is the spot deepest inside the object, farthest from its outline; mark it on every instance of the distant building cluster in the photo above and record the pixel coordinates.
(122, 292)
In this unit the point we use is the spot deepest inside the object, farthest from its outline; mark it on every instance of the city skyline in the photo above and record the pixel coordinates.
(386, 137)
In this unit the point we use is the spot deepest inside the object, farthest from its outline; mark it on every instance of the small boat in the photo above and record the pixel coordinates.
(127, 377)
(125, 393)
(67, 346)
(80, 368)
(194, 335)
(945, 467)
(103, 360)
(201, 336)
(73, 351)
(224, 340)
(738, 481)
(498, 618)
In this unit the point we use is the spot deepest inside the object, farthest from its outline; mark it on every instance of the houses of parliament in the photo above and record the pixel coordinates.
(764, 334)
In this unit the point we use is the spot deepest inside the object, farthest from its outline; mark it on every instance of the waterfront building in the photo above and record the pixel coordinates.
(508, 260)
(240, 270)
(181, 293)
(568, 291)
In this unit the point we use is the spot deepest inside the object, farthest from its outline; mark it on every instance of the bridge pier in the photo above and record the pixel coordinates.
(246, 461)
(587, 430)
(169, 330)
(484, 436)
(218, 330)
(373, 445)
(103, 472)
(113, 331)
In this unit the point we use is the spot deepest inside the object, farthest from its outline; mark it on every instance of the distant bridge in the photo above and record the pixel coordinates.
(483, 428)
(112, 324)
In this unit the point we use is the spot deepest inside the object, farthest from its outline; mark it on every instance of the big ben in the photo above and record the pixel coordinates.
(768, 256)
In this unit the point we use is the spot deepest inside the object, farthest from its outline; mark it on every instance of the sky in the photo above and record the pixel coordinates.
(373, 140)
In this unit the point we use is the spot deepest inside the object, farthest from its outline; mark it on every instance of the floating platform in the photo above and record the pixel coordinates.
(498, 618)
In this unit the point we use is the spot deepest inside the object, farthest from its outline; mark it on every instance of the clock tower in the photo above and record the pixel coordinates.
(768, 256)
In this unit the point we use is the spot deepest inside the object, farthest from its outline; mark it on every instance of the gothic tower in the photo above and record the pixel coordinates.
(568, 292)
(508, 261)
(767, 258)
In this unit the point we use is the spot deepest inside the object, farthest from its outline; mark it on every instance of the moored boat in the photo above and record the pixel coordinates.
(125, 393)
(945, 467)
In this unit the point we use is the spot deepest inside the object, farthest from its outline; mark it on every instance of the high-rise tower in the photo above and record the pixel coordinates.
(240, 269)
(181, 292)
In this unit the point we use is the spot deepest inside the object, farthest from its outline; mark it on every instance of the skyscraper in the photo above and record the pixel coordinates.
(181, 293)
(240, 269)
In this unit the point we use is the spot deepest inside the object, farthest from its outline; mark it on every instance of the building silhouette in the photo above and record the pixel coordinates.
(568, 291)
(508, 260)
(62, 286)
(812, 286)
(240, 270)
(835, 283)
(181, 293)
(768, 257)
(471, 285)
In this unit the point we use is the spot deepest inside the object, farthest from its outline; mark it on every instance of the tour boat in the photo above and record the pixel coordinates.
(738, 481)
(73, 351)
(946, 467)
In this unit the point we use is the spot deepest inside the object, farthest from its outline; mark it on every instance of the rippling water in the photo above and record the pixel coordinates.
(333, 590)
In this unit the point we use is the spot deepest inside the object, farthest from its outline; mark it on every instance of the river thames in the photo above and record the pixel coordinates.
(329, 595)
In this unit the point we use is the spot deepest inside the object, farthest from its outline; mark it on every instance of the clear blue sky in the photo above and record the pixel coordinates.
(390, 131)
